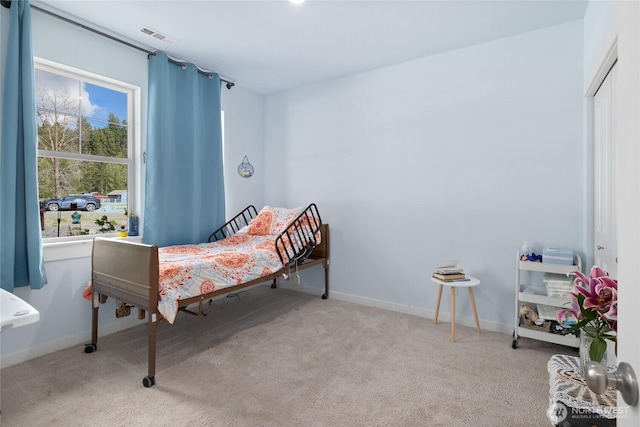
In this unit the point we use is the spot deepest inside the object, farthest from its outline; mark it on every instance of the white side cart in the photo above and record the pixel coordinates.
(536, 294)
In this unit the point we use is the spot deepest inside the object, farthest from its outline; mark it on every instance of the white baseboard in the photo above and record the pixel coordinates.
(76, 340)
(415, 311)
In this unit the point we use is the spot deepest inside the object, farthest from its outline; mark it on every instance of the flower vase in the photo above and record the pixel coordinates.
(585, 344)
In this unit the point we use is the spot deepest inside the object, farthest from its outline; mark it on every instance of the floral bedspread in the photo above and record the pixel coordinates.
(191, 270)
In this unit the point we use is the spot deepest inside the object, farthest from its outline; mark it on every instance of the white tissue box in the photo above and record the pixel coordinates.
(555, 255)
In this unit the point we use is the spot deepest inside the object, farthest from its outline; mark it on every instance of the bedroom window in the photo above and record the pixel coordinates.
(85, 150)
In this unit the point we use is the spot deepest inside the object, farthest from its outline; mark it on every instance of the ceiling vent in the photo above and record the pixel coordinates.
(158, 35)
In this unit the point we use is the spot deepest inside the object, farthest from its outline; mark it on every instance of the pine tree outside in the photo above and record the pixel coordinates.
(83, 148)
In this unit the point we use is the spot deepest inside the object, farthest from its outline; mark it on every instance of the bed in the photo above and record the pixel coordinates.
(250, 249)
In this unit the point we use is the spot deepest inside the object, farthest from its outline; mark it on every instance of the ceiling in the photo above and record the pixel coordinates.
(269, 46)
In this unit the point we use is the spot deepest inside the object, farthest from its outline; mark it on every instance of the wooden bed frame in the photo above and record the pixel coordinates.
(128, 272)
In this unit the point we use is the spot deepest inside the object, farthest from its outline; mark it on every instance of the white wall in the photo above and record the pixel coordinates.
(243, 135)
(65, 315)
(462, 155)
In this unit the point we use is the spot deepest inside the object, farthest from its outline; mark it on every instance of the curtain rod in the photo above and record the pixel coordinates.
(7, 4)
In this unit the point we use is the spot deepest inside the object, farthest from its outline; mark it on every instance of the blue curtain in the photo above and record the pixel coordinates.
(184, 194)
(21, 261)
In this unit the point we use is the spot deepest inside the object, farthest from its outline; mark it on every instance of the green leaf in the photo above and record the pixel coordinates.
(597, 349)
(579, 325)
(580, 300)
(589, 314)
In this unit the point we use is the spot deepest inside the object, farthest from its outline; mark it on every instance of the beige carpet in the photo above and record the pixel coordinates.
(275, 357)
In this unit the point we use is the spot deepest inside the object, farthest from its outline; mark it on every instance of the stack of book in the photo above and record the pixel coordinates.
(449, 274)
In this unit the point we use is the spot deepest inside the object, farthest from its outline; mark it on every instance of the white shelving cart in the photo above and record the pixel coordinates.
(537, 294)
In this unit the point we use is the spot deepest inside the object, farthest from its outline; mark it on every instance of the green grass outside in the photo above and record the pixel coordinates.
(87, 223)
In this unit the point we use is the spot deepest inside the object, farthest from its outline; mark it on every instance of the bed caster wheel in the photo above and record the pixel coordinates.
(90, 348)
(273, 286)
(514, 344)
(148, 381)
(325, 296)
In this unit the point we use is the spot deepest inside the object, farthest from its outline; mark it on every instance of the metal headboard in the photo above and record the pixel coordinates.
(234, 224)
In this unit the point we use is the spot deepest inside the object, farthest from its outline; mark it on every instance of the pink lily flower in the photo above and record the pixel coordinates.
(600, 296)
(594, 304)
(574, 310)
(601, 293)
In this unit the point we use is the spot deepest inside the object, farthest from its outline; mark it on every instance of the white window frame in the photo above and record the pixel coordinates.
(59, 248)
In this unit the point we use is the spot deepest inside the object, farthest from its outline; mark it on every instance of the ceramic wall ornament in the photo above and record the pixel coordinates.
(245, 169)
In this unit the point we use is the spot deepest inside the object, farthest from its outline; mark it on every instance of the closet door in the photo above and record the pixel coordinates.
(605, 251)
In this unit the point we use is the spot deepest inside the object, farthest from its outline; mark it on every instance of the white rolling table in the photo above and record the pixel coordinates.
(469, 284)
(15, 311)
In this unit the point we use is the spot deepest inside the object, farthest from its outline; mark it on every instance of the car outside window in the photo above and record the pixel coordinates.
(85, 152)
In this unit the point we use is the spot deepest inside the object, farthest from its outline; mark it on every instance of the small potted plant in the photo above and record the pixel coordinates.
(594, 306)
(123, 231)
(105, 225)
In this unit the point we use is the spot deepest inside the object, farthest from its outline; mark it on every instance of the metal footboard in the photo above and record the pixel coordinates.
(298, 240)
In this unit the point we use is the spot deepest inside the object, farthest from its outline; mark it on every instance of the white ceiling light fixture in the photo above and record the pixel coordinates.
(296, 1)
